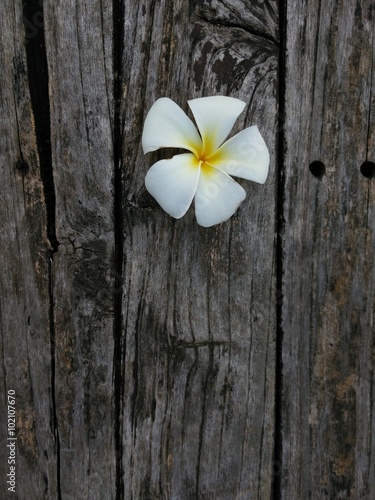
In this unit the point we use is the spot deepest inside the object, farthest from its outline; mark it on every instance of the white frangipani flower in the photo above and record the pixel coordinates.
(204, 172)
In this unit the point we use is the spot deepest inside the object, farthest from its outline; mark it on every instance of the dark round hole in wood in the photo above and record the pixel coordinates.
(317, 168)
(22, 165)
(368, 169)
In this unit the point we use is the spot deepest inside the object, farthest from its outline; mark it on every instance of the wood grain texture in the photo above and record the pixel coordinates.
(79, 49)
(328, 262)
(25, 349)
(143, 352)
(198, 304)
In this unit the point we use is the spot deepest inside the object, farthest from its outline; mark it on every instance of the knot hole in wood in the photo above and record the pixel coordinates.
(317, 168)
(368, 169)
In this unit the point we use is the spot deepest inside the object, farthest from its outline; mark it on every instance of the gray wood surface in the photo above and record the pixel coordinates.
(79, 50)
(151, 357)
(328, 413)
(25, 347)
(198, 304)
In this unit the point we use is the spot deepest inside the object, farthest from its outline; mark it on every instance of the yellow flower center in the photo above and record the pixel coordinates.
(206, 168)
(204, 158)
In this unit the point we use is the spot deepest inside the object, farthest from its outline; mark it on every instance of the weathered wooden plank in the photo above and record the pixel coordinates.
(198, 304)
(328, 281)
(79, 49)
(194, 373)
(25, 348)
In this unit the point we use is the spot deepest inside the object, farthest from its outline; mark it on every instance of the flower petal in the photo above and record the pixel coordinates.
(215, 117)
(173, 183)
(245, 155)
(167, 126)
(217, 198)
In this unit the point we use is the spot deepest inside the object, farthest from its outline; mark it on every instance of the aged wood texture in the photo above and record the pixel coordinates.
(79, 50)
(328, 413)
(25, 348)
(198, 304)
(142, 349)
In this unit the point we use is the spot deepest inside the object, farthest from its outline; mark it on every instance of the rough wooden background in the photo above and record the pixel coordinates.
(153, 358)
(328, 241)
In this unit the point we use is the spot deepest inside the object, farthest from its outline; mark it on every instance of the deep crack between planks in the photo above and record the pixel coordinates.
(37, 69)
(119, 339)
(280, 225)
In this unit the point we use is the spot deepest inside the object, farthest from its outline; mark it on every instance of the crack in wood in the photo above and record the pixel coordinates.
(280, 225)
(370, 101)
(118, 10)
(53, 371)
(38, 83)
(37, 67)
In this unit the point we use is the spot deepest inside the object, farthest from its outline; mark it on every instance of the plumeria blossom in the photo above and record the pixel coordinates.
(203, 173)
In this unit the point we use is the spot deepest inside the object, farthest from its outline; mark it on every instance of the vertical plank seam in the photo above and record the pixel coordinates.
(280, 225)
(38, 79)
(368, 229)
(53, 371)
(37, 69)
(118, 11)
(370, 101)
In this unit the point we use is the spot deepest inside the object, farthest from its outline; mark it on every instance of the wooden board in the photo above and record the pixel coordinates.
(328, 352)
(79, 50)
(142, 350)
(25, 347)
(198, 304)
